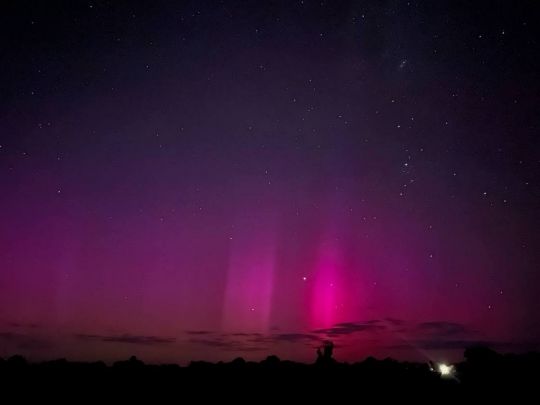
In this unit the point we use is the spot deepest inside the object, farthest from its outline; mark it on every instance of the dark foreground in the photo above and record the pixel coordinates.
(484, 373)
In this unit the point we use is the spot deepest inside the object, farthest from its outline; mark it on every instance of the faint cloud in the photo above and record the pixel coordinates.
(348, 328)
(228, 344)
(294, 337)
(198, 332)
(443, 328)
(21, 325)
(395, 322)
(23, 341)
(127, 338)
(242, 334)
(462, 344)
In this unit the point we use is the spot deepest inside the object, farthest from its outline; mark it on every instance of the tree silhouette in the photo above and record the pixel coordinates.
(324, 353)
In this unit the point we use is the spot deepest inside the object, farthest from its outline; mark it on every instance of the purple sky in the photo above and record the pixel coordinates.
(207, 180)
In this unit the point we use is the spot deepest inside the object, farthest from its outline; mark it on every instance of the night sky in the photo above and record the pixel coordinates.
(213, 179)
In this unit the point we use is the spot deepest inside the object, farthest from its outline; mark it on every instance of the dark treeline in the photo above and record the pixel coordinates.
(483, 371)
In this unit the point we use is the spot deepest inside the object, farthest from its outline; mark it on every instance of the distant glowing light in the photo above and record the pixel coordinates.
(304, 278)
(446, 370)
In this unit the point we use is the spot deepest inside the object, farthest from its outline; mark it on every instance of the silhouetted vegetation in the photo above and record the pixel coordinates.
(483, 371)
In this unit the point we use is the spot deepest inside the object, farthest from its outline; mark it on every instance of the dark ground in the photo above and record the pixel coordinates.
(484, 374)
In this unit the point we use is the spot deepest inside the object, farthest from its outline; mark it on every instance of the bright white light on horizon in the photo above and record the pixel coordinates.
(446, 370)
